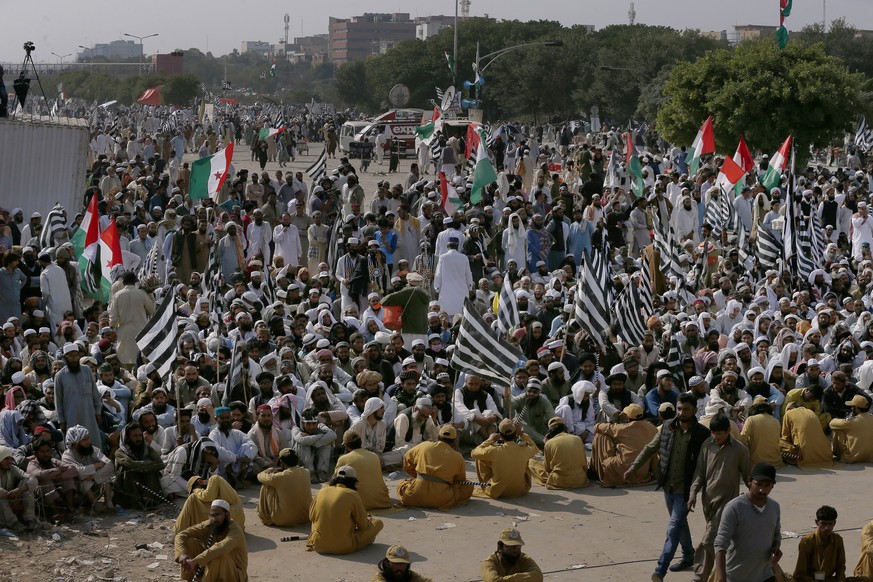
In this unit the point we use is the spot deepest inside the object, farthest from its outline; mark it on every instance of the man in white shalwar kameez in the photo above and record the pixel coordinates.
(453, 279)
(55, 290)
(685, 220)
(236, 441)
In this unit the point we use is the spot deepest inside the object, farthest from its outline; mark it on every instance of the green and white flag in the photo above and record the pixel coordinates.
(208, 174)
(773, 176)
(483, 173)
(451, 62)
(703, 144)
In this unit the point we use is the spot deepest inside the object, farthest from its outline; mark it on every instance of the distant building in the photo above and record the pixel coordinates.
(167, 64)
(305, 49)
(256, 46)
(428, 26)
(358, 37)
(754, 31)
(117, 49)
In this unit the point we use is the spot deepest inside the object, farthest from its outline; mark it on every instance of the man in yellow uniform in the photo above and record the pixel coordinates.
(805, 397)
(201, 493)
(821, 554)
(803, 441)
(368, 467)
(286, 494)
(436, 474)
(501, 461)
(564, 466)
(396, 567)
(509, 563)
(340, 524)
(617, 445)
(213, 550)
(864, 568)
(761, 433)
(853, 437)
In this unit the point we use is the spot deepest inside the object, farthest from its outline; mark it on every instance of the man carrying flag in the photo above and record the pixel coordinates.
(86, 243)
(633, 167)
(483, 173)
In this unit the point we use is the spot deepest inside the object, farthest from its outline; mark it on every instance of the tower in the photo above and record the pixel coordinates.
(287, 20)
(631, 14)
(465, 8)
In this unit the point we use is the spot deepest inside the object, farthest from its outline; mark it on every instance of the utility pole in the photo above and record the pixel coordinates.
(141, 38)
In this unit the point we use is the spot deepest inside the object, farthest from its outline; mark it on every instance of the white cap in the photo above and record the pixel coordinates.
(222, 504)
(70, 347)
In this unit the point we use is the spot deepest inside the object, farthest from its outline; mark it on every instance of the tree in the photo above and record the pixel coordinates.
(763, 93)
(180, 90)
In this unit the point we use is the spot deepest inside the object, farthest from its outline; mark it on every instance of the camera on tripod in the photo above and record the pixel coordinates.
(29, 47)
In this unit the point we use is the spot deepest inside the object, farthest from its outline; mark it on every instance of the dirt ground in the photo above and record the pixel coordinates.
(586, 534)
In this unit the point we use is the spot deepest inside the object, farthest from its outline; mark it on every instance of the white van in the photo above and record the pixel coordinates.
(347, 133)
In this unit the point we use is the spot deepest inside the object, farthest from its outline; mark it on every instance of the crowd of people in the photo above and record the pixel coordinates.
(324, 354)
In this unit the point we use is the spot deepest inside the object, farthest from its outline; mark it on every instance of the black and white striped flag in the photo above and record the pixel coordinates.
(481, 352)
(157, 340)
(713, 215)
(234, 372)
(440, 94)
(318, 169)
(212, 282)
(507, 307)
(668, 248)
(150, 265)
(864, 136)
(436, 154)
(646, 302)
(769, 249)
(629, 322)
(55, 223)
(592, 297)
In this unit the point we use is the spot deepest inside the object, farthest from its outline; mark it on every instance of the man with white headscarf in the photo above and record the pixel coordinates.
(95, 470)
(577, 410)
(76, 396)
(373, 432)
(515, 241)
(18, 489)
(312, 441)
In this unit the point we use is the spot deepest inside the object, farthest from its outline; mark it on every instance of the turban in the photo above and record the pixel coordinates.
(221, 410)
(264, 407)
(76, 434)
(368, 376)
(204, 402)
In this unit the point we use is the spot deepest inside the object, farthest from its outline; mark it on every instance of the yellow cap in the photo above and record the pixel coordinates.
(397, 554)
(511, 537)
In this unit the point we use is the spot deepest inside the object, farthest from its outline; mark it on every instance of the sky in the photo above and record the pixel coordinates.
(219, 26)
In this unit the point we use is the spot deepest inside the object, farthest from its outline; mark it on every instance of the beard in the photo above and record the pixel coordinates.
(74, 367)
(390, 576)
(693, 341)
(267, 426)
(159, 408)
(203, 417)
(85, 451)
(509, 559)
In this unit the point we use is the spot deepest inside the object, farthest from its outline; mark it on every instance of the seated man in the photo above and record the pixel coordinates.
(17, 494)
(565, 466)
(478, 409)
(201, 494)
(663, 392)
(368, 468)
(201, 459)
(139, 467)
(502, 462)
(437, 474)
(805, 397)
(312, 442)
(165, 413)
(508, 562)
(186, 435)
(853, 436)
(235, 441)
(577, 410)
(57, 481)
(95, 470)
(614, 400)
(821, 554)
(340, 524)
(617, 445)
(414, 425)
(396, 566)
(864, 568)
(373, 432)
(213, 550)
(533, 410)
(268, 438)
(761, 433)
(285, 492)
(803, 442)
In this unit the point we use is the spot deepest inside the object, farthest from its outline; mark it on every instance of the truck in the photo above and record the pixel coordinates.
(44, 163)
(399, 123)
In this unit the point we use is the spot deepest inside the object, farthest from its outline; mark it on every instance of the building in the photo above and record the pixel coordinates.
(358, 37)
(428, 26)
(117, 49)
(754, 31)
(167, 64)
(256, 46)
(304, 49)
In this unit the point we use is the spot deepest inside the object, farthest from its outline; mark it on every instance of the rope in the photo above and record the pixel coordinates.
(157, 496)
(198, 574)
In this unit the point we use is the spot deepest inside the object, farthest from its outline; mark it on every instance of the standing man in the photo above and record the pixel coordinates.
(287, 239)
(77, 399)
(129, 313)
(508, 562)
(750, 532)
(723, 462)
(453, 279)
(678, 443)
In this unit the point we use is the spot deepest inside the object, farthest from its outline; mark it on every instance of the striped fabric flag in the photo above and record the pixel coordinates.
(646, 303)
(150, 265)
(674, 356)
(713, 213)
(318, 169)
(436, 154)
(55, 223)
(769, 249)
(669, 250)
(508, 316)
(789, 228)
(480, 351)
(212, 282)
(157, 340)
(592, 297)
(864, 136)
(234, 372)
(630, 325)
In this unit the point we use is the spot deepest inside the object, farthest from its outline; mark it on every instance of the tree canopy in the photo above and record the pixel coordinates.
(763, 93)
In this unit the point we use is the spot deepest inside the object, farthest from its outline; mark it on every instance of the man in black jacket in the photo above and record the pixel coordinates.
(678, 443)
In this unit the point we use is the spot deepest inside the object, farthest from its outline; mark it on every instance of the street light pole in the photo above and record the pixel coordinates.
(493, 56)
(140, 38)
(455, 52)
(62, 57)
(92, 55)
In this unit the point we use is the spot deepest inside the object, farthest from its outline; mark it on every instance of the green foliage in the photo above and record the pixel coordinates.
(180, 90)
(763, 93)
(841, 40)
